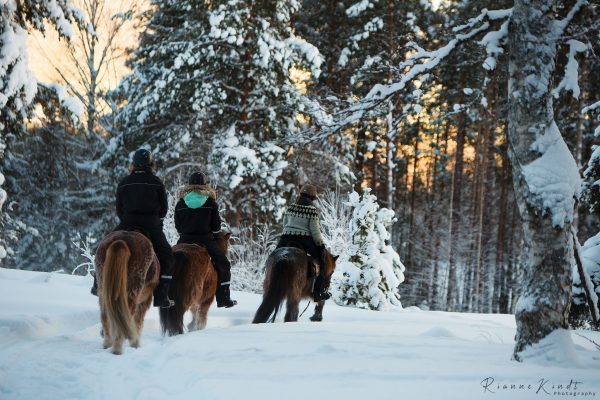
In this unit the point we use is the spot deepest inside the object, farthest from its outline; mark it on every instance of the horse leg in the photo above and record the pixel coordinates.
(203, 312)
(117, 347)
(194, 325)
(292, 308)
(105, 333)
(140, 312)
(318, 315)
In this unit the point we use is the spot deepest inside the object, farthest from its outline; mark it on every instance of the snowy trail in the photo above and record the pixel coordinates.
(50, 348)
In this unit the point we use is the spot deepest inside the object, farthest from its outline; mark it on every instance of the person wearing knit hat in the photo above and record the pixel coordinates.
(301, 228)
(197, 221)
(142, 206)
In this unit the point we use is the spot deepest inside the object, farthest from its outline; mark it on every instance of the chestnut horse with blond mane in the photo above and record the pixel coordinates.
(127, 271)
(193, 286)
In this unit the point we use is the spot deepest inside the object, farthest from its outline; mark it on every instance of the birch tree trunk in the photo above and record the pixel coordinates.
(545, 175)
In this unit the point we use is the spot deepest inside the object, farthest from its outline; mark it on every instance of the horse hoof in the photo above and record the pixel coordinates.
(117, 352)
(316, 318)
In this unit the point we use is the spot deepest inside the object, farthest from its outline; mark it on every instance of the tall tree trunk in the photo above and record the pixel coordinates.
(456, 211)
(389, 137)
(532, 133)
(500, 295)
(478, 206)
(246, 77)
(413, 196)
(434, 299)
(359, 158)
(389, 160)
(579, 135)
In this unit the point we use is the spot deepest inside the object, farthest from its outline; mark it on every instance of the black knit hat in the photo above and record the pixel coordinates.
(197, 178)
(142, 158)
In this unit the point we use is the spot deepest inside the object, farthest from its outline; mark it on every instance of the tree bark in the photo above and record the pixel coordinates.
(544, 304)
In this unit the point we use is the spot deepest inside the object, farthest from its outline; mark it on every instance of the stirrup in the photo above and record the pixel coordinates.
(227, 303)
(164, 303)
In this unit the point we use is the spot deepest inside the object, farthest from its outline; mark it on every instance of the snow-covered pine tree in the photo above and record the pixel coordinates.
(215, 78)
(249, 173)
(18, 86)
(169, 98)
(369, 272)
(262, 102)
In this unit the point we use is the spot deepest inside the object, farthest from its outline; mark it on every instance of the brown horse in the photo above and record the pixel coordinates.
(193, 287)
(287, 276)
(127, 271)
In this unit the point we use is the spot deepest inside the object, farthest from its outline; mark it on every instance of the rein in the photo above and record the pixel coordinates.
(306, 308)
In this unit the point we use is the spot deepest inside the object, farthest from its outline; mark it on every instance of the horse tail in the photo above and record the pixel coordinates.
(171, 319)
(274, 295)
(114, 294)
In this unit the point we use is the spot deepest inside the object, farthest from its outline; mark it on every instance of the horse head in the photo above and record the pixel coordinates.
(222, 239)
(330, 261)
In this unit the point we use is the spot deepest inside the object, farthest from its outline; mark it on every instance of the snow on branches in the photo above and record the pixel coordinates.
(369, 270)
(553, 178)
(17, 84)
(242, 163)
(570, 81)
(422, 61)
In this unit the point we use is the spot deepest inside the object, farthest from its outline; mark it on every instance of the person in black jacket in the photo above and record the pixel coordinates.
(141, 206)
(198, 221)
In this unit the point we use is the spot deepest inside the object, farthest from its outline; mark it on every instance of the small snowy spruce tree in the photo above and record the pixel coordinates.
(369, 272)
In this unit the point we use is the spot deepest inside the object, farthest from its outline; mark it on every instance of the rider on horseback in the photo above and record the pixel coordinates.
(301, 228)
(198, 222)
(141, 206)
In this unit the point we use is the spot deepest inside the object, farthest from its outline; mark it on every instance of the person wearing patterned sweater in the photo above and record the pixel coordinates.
(301, 228)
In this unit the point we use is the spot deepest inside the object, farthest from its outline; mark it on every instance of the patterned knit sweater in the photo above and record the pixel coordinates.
(302, 220)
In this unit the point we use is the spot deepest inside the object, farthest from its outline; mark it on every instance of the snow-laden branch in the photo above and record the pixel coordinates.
(493, 42)
(561, 25)
(571, 77)
(423, 61)
(485, 14)
(591, 107)
(356, 9)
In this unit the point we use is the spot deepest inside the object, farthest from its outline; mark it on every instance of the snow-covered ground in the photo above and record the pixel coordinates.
(50, 348)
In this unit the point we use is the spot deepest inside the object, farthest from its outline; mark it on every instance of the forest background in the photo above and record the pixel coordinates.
(256, 93)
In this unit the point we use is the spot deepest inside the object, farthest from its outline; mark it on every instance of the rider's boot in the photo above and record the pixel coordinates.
(224, 296)
(161, 294)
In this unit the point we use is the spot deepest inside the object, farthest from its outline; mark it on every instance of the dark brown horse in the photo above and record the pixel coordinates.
(127, 271)
(193, 287)
(288, 277)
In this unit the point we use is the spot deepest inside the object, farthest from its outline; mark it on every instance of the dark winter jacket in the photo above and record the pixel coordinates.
(197, 213)
(141, 200)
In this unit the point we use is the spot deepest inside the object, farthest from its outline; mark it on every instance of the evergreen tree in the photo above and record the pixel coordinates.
(218, 76)
(18, 88)
(369, 272)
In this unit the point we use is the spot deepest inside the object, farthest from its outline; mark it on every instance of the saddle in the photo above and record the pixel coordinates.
(312, 267)
(138, 229)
